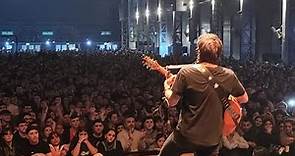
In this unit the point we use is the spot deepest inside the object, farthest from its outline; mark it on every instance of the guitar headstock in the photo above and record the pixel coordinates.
(150, 63)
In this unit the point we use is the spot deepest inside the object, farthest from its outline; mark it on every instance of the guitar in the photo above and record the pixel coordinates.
(233, 111)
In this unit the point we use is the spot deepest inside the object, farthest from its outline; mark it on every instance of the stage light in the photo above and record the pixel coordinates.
(89, 43)
(284, 16)
(191, 5)
(53, 42)
(47, 43)
(147, 13)
(137, 15)
(187, 29)
(6, 43)
(241, 5)
(159, 11)
(213, 5)
(291, 102)
(27, 44)
(277, 32)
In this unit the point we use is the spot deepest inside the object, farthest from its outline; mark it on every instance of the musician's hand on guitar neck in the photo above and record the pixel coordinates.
(168, 74)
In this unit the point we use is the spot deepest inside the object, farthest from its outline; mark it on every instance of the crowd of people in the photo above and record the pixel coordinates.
(107, 103)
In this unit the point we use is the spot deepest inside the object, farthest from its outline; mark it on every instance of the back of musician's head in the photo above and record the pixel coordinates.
(209, 48)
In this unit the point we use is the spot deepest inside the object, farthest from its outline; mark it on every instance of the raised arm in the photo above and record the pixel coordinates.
(91, 148)
(171, 98)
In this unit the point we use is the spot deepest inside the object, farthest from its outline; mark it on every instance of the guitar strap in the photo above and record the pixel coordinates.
(222, 94)
(219, 89)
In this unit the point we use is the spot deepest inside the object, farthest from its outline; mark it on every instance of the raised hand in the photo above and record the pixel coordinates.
(169, 82)
(83, 138)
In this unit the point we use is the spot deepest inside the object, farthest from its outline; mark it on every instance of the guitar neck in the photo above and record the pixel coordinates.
(154, 65)
(164, 72)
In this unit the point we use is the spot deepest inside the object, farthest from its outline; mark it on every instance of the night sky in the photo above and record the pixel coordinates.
(79, 12)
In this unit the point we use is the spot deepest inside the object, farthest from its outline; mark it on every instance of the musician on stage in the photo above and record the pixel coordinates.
(199, 129)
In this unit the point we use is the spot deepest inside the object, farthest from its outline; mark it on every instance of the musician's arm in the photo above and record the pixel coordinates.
(243, 98)
(239, 92)
(171, 98)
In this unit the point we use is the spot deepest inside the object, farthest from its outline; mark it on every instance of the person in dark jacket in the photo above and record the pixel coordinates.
(7, 146)
(110, 146)
(81, 146)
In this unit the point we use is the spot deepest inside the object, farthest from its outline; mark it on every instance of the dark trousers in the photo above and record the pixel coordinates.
(176, 145)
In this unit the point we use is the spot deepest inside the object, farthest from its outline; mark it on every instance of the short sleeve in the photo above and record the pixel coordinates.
(179, 84)
(238, 89)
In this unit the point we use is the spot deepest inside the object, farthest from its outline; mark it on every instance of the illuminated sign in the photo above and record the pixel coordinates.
(7, 33)
(105, 33)
(47, 33)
